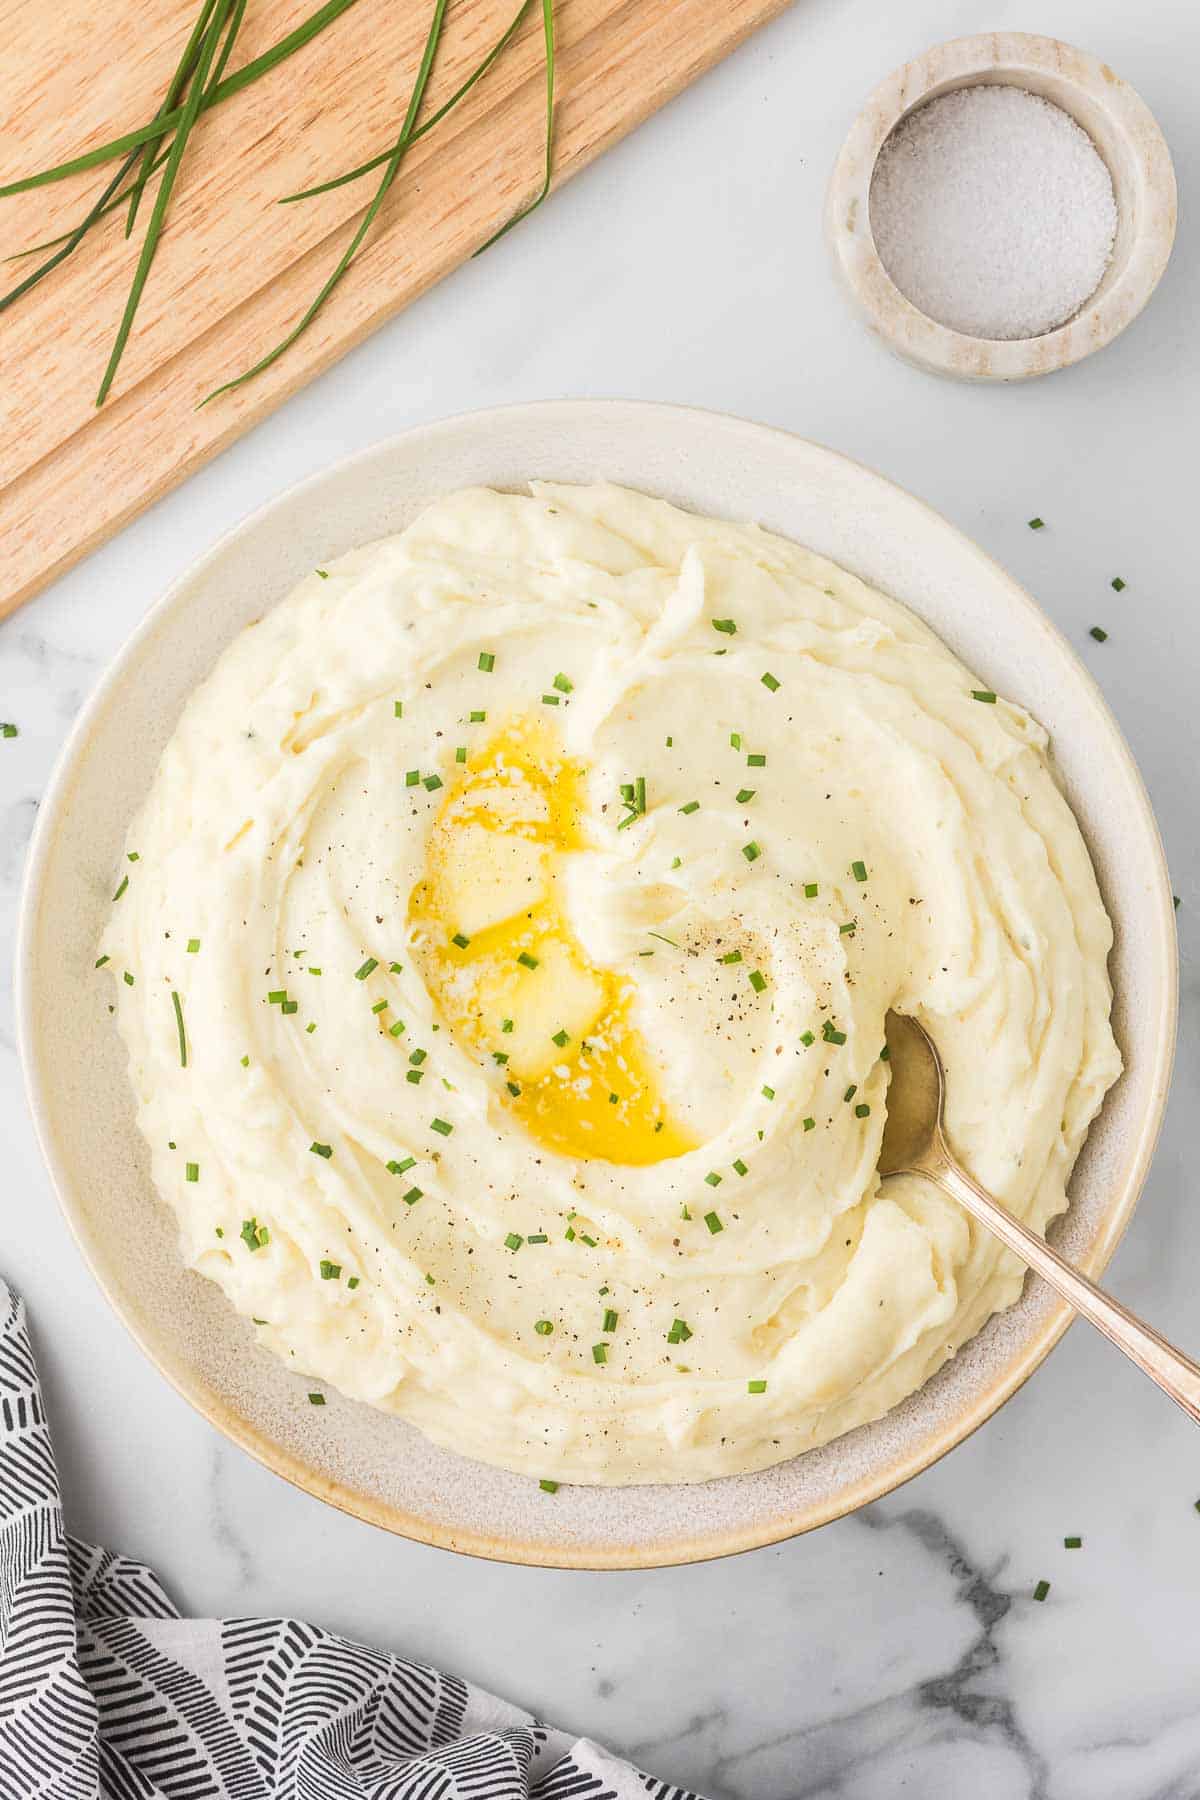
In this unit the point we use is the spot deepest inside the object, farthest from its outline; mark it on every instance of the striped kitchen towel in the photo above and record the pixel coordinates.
(107, 1694)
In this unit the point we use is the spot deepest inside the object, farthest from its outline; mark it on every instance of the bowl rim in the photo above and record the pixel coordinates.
(219, 1412)
(1070, 78)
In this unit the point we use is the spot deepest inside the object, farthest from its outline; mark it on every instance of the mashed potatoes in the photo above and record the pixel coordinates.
(503, 965)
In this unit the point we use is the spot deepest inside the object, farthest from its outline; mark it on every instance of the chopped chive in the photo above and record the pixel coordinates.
(740, 1167)
(193, 946)
(323, 573)
(850, 1092)
(807, 1038)
(859, 870)
(848, 929)
(460, 941)
(418, 1057)
(564, 684)
(985, 695)
(412, 778)
(289, 1006)
(353, 1281)
(330, 1271)
(397, 709)
(885, 1054)
(550, 700)
(487, 661)
(732, 956)
(432, 783)
(758, 980)
(371, 964)
(735, 740)
(713, 1221)
(712, 1178)
(254, 1235)
(506, 1025)
(394, 968)
(123, 886)
(548, 1487)
(756, 1387)
(862, 1110)
(441, 1127)
(1098, 632)
(380, 1006)
(680, 1332)
(544, 1327)
(691, 807)
(401, 1168)
(589, 1241)
(177, 1003)
(396, 1030)
(633, 797)
(613, 1098)
(411, 1196)
(513, 1241)
(245, 1062)
(191, 1171)
(416, 1076)
(100, 961)
(751, 851)
(685, 1214)
(610, 1320)
(560, 1038)
(133, 856)
(1036, 524)
(500, 1057)
(831, 1035)
(756, 760)
(769, 681)
(1117, 585)
(768, 1093)
(9, 730)
(810, 890)
(325, 1150)
(527, 961)
(537, 1237)
(1041, 1590)
(599, 1353)
(810, 1124)
(127, 978)
(460, 755)
(745, 795)
(316, 1399)
(513, 1089)
(1075, 1543)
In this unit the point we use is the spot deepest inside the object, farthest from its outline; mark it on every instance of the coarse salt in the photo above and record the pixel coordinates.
(993, 212)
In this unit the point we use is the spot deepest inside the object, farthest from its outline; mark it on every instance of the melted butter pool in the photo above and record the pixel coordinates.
(508, 974)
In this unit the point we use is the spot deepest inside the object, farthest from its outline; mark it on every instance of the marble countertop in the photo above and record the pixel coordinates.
(899, 1650)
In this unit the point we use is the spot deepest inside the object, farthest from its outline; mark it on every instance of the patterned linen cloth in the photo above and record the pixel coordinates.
(107, 1694)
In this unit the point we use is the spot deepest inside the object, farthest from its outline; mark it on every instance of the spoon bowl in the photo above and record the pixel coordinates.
(914, 1143)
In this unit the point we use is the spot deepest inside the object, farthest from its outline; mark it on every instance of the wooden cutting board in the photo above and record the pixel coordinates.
(234, 271)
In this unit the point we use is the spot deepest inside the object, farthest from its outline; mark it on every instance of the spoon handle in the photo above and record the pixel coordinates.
(1174, 1372)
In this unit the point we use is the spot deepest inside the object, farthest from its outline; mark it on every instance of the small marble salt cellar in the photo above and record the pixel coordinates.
(1125, 136)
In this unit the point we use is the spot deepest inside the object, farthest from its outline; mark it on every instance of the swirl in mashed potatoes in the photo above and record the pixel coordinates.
(511, 928)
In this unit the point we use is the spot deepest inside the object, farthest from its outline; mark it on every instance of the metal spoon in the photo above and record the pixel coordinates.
(914, 1142)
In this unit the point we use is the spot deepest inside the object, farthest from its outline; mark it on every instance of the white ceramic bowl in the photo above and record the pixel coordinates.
(368, 1462)
(1125, 133)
